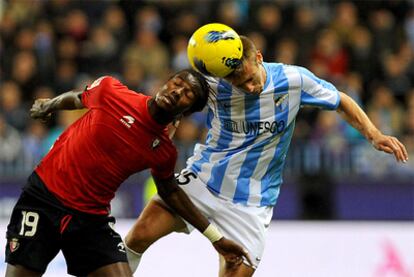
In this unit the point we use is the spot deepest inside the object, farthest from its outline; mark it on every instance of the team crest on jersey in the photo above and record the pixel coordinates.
(14, 244)
(155, 143)
(280, 102)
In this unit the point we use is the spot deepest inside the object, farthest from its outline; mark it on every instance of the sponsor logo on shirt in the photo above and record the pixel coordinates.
(127, 120)
(254, 127)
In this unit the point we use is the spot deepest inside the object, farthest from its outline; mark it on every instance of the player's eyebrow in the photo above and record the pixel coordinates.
(248, 80)
(189, 80)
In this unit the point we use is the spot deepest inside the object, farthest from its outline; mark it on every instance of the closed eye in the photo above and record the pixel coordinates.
(248, 81)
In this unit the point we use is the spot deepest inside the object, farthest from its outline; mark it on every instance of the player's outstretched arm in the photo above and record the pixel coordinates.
(42, 108)
(176, 198)
(354, 115)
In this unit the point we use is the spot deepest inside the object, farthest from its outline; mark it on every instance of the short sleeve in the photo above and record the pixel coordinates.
(165, 170)
(94, 94)
(317, 92)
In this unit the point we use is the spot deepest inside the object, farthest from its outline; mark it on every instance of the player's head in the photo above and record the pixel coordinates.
(249, 74)
(184, 93)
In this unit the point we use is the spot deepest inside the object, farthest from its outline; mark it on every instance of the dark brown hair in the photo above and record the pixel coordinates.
(200, 87)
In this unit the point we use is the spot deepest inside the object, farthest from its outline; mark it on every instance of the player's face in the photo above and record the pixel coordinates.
(253, 77)
(176, 96)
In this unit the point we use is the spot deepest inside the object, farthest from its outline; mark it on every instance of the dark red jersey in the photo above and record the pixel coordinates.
(114, 139)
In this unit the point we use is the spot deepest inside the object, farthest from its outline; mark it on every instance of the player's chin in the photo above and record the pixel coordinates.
(256, 92)
(165, 104)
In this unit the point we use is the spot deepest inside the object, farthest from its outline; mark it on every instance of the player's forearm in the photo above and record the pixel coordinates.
(357, 118)
(70, 100)
(176, 198)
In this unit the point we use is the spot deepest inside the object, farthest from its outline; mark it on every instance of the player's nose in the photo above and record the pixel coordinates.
(178, 91)
(250, 88)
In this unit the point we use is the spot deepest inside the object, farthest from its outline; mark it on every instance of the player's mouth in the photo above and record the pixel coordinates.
(257, 91)
(169, 100)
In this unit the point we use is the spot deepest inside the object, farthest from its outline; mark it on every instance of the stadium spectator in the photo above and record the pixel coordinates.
(286, 51)
(76, 25)
(65, 75)
(11, 106)
(304, 29)
(43, 47)
(179, 58)
(269, 23)
(133, 77)
(328, 134)
(100, 52)
(385, 111)
(148, 53)
(330, 54)
(396, 77)
(24, 73)
(344, 20)
(33, 141)
(10, 146)
(384, 32)
(362, 56)
(114, 21)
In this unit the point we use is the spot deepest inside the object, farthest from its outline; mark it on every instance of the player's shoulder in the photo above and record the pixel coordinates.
(110, 80)
(104, 81)
(279, 69)
(211, 80)
(282, 67)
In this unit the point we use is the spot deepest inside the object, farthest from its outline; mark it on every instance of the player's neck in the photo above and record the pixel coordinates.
(159, 115)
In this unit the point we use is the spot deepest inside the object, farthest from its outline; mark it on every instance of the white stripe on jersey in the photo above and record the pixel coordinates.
(294, 92)
(249, 135)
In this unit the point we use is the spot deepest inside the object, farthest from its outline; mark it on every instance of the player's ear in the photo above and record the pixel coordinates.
(259, 56)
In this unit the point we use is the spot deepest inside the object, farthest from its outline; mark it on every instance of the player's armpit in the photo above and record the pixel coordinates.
(166, 187)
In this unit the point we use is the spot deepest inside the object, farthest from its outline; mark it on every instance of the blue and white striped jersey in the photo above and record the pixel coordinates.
(249, 135)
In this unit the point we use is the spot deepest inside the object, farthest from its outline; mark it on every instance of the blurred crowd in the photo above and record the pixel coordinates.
(366, 48)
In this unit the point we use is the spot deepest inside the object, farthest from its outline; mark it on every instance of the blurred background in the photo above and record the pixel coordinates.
(365, 48)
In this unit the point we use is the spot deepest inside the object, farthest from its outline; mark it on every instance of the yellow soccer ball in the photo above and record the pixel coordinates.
(215, 49)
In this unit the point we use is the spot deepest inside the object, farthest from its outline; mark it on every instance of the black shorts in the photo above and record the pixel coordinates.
(38, 231)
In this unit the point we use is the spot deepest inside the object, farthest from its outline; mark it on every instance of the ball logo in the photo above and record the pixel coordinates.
(201, 66)
(214, 36)
(232, 63)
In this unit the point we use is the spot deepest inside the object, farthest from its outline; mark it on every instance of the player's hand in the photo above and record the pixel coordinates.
(232, 252)
(40, 110)
(391, 145)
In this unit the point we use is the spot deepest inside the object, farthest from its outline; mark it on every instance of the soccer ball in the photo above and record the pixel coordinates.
(215, 49)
